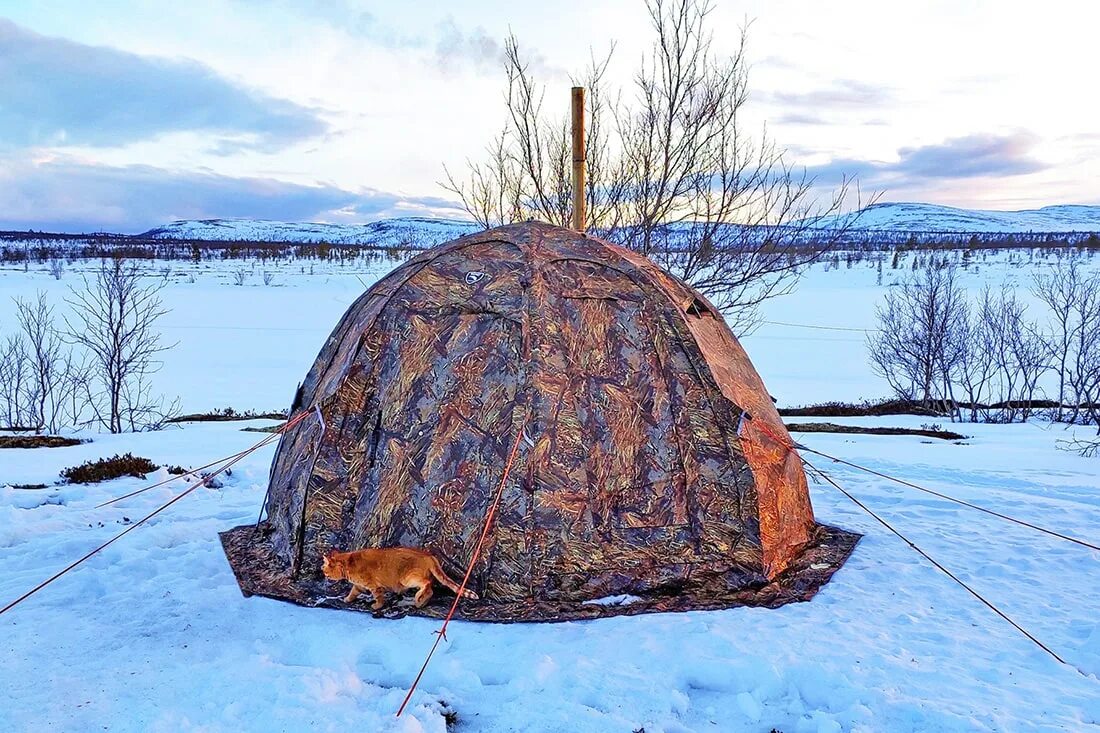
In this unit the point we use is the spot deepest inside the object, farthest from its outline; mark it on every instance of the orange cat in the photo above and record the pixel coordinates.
(396, 569)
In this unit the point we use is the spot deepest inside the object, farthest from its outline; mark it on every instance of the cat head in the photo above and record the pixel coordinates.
(333, 566)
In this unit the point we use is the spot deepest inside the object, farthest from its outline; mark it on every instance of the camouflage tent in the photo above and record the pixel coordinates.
(651, 461)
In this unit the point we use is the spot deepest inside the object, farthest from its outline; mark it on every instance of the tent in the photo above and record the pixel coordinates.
(652, 470)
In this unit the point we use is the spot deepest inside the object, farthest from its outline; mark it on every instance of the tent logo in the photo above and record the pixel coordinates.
(473, 277)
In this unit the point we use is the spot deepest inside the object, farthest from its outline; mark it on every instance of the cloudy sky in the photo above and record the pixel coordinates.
(121, 116)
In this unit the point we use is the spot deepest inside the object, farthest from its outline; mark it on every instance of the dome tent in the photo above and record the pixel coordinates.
(650, 464)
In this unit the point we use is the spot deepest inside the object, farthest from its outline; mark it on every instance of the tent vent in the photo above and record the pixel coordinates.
(697, 308)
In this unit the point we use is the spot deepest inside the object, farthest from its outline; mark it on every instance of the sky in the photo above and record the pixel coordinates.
(124, 115)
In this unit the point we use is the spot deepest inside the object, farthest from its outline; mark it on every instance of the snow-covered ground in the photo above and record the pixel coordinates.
(248, 346)
(153, 634)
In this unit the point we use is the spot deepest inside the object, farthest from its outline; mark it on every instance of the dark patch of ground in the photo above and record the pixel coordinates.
(269, 429)
(877, 408)
(37, 441)
(828, 427)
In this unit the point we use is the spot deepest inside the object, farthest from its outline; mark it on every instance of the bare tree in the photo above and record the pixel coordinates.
(1028, 353)
(916, 345)
(1083, 371)
(997, 322)
(527, 172)
(672, 171)
(114, 320)
(14, 381)
(491, 192)
(975, 364)
(1083, 368)
(41, 378)
(1059, 291)
(44, 352)
(1073, 298)
(1018, 350)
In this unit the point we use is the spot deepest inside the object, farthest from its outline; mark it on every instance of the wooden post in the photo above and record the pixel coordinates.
(579, 214)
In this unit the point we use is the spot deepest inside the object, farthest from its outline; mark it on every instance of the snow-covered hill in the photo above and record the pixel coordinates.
(410, 231)
(930, 218)
(425, 232)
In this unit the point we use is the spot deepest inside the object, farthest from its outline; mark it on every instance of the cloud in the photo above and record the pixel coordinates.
(805, 118)
(340, 14)
(777, 62)
(972, 156)
(447, 46)
(58, 93)
(344, 16)
(842, 93)
(64, 194)
(801, 118)
(476, 47)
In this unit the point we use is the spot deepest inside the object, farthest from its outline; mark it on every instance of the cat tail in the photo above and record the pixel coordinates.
(437, 572)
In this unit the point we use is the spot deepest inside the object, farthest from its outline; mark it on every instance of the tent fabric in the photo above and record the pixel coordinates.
(652, 461)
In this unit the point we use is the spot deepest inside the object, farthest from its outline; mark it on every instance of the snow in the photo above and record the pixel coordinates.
(811, 346)
(249, 346)
(624, 599)
(153, 634)
(405, 231)
(427, 231)
(925, 218)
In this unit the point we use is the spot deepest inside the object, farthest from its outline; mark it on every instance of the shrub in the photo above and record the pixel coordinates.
(228, 413)
(37, 441)
(876, 408)
(105, 469)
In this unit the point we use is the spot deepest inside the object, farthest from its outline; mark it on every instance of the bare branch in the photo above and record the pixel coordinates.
(672, 172)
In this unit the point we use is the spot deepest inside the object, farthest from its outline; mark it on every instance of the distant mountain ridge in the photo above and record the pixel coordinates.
(405, 231)
(932, 218)
(892, 218)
